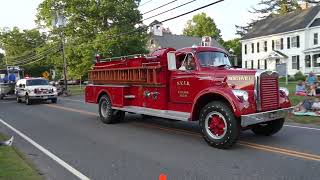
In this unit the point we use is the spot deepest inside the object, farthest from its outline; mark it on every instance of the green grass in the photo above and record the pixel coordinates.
(76, 90)
(294, 101)
(13, 165)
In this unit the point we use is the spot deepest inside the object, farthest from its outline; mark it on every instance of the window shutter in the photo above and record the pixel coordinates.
(265, 64)
(272, 44)
(281, 45)
(288, 42)
(298, 41)
(298, 62)
(258, 63)
(258, 47)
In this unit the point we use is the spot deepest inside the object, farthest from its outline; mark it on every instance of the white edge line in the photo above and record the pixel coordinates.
(302, 127)
(74, 100)
(47, 152)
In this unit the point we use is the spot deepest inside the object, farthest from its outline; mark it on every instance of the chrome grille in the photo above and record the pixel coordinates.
(269, 92)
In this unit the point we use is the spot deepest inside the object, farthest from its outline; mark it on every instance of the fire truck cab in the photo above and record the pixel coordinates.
(190, 84)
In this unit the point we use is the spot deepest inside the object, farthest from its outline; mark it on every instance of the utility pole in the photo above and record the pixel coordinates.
(60, 23)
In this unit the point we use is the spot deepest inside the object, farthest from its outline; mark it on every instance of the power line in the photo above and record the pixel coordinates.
(44, 56)
(192, 11)
(159, 7)
(145, 3)
(44, 53)
(169, 10)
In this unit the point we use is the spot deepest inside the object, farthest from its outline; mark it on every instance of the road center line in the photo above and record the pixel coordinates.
(47, 152)
(287, 152)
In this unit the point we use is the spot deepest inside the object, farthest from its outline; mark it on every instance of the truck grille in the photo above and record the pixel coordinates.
(269, 92)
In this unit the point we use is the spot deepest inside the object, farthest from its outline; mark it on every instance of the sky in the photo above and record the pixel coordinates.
(227, 14)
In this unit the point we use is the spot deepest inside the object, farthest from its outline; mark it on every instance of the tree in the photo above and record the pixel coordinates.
(105, 26)
(202, 25)
(272, 7)
(235, 45)
(2, 60)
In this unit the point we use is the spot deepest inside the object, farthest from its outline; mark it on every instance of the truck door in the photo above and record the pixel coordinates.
(183, 81)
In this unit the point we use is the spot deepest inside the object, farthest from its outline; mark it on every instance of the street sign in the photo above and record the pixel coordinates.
(45, 74)
(282, 69)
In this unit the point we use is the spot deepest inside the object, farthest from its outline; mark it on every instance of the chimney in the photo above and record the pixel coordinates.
(304, 5)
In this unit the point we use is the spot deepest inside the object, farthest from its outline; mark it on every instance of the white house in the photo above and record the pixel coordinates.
(292, 39)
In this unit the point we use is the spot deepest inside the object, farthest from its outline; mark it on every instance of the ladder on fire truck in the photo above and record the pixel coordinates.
(146, 74)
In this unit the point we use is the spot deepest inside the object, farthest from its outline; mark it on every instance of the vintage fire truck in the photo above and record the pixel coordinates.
(190, 84)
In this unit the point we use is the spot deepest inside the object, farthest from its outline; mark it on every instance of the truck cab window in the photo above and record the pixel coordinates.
(188, 63)
(213, 59)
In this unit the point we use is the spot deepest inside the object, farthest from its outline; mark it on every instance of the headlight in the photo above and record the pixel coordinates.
(285, 90)
(242, 95)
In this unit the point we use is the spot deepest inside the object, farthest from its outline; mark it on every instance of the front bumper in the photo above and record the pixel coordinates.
(43, 97)
(256, 118)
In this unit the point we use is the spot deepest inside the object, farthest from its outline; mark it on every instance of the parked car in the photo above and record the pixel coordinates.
(31, 89)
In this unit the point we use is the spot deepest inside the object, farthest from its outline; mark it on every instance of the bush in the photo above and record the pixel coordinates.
(299, 76)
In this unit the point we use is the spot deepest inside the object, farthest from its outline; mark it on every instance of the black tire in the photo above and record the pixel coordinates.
(18, 99)
(230, 134)
(107, 114)
(1, 96)
(27, 100)
(54, 100)
(269, 128)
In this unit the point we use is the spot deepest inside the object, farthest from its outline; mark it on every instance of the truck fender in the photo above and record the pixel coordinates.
(102, 92)
(211, 94)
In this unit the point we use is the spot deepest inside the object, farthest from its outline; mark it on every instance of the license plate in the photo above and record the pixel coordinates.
(45, 97)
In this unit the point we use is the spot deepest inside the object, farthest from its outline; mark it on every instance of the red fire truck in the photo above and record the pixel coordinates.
(190, 84)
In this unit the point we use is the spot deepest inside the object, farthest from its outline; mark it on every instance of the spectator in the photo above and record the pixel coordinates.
(316, 105)
(301, 89)
(305, 106)
(312, 83)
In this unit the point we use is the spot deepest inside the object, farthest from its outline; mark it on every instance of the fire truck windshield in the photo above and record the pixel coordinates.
(213, 59)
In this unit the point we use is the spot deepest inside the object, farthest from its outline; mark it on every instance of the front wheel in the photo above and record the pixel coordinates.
(107, 114)
(27, 100)
(269, 128)
(54, 100)
(18, 99)
(219, 126)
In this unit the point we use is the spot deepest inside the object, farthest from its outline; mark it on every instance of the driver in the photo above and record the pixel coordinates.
(188, 63)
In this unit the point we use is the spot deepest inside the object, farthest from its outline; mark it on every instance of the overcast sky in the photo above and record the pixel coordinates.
(227, 14)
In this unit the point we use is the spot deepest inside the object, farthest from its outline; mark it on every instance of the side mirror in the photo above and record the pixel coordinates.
(171, 57)
(23, 85)
(20, 85)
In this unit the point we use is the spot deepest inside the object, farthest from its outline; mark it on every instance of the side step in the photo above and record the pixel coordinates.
(182, 116)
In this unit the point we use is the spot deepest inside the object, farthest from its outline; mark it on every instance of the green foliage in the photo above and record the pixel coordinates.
(299, 76)
(235, 45)
(202, 25)
(105, 26)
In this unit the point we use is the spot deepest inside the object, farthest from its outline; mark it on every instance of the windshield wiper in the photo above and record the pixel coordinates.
(224, 65)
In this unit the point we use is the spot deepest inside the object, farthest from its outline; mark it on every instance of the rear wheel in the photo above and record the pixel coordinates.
(269, 128)
(107, 114)
(218, 125)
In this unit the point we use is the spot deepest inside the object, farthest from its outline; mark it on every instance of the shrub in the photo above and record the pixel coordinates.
(299, 76)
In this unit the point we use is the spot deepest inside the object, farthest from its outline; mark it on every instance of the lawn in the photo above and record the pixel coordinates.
(295, 100)
(13, 165)
(76, 89)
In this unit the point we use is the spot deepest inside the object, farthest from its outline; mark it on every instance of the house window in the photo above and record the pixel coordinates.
(308, 60)
(315, 60)
(277, 61)
(295, 62)
(246, 64)
(252, 48)
(245, 49)
(265, 64)
(295, 42)
(272, 44)
(315, 39)
(265, 46)
(288, 42)
(258, 47)
(281, 43)
(278, 44)
(251, 64)
(258, 63)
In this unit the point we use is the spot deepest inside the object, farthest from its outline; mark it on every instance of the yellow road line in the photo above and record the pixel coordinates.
(278, 150)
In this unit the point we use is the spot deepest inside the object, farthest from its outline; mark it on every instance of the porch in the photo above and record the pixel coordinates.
(312, 60)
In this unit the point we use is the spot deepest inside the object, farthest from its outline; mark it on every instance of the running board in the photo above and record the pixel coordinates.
(182, 116)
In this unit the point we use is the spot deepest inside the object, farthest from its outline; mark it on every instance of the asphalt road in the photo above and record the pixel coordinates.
(144, 149)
